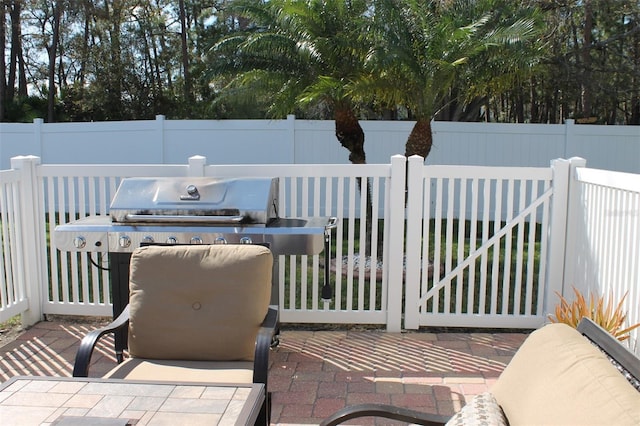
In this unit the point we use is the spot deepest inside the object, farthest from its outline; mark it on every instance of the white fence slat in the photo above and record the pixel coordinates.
(472, 243)
(351, 244)
(544, 245)
(373, 282)
(339, 244)
(486, 208)
(363, 240)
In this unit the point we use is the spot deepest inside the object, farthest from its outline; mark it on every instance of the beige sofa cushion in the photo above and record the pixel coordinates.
(198, 302)
(558, 378)
(183, 371)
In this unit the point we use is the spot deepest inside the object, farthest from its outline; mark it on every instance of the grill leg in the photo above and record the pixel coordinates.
(275, 298)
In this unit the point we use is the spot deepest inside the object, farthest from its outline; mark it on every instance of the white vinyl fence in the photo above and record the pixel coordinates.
(463, 246)
(295, 141)
(603, 239)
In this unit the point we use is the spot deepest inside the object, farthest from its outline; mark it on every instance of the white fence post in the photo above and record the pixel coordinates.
(37, 134)
(415, 216)
(291, 136)
(160, 131)
(395, 250)
(564, 209)
(575, 212)
(569, 138)
(557, 232)
(32, 237)
(196, 166)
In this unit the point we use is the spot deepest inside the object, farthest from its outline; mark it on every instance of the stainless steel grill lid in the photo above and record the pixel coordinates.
(195, 200)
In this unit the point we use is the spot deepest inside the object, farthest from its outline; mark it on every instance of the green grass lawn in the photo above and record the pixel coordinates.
(496, 269)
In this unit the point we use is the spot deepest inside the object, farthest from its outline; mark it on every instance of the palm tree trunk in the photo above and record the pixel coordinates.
(420, 139)
(351, 136)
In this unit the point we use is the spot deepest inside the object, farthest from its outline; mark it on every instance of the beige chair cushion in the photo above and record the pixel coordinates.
(198, 302)
(183, 371)
(558, 378)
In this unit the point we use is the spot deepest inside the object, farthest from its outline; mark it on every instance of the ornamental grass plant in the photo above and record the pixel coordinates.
(602, 313)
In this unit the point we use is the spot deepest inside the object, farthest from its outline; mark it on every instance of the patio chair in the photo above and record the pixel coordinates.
(195, 314)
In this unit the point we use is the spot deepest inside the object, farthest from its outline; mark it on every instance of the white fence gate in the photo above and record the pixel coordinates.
(466, 268)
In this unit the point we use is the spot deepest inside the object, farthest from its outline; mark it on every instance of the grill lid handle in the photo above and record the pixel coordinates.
(185, 218)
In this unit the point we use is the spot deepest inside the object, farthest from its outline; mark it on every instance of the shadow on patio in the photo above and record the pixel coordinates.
(314, 373)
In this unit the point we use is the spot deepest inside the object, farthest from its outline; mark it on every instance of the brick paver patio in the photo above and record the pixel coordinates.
(314, 373)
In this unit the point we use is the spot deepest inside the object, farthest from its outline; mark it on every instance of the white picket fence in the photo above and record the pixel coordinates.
(463, 246)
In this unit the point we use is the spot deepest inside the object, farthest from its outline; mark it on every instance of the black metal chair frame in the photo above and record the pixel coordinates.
(596, 334)
(266, 336)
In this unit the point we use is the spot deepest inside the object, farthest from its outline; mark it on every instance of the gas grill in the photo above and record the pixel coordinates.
(191, 210)
(194, 211)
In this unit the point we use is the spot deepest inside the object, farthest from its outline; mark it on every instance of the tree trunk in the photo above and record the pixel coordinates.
(586, 60)
(351, 136)
(185, 57)
(3, 70)
(115, 72)
(15, 48)
(53, 50)
(84, 51)
(420, 139)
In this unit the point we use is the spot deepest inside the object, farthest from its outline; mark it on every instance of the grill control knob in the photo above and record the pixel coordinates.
(148, 239)
(246, 240)
(220, 240)
(124, 241)
(196, 240)
(172, 240)
(79, 242)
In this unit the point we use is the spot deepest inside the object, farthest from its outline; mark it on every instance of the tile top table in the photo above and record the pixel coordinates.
(65, 401)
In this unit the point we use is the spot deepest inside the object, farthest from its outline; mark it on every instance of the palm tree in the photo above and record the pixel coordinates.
(296, 55)
(423, 48)
(301, 54)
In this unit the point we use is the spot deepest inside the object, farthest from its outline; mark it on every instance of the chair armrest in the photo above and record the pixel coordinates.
(88, 343)
(263, 345)
(611, 346)
(385, 411)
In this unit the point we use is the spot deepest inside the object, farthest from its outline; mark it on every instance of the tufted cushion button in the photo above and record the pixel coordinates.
(196, 306)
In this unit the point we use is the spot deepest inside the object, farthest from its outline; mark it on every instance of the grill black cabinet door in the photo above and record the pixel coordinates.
(119, 278)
